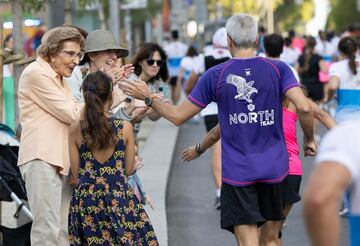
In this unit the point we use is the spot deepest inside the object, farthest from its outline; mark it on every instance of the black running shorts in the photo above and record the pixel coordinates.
(252, 204)
(210, 121)
(291, 189)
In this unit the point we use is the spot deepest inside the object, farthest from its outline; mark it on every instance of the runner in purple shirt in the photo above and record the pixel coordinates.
(248, 91)
(250, 116)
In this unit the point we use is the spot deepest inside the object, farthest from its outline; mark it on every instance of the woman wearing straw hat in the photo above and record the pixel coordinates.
(101, 53)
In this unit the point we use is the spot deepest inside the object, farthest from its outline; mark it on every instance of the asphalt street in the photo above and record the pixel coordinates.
(193, 221)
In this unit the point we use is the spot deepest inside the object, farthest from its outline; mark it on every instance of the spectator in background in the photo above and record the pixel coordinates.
(8, 86)
(261, 48)
(186, 66)
(289, 55)
(327, 52)
(215, 55)
(36, 40)
(175, 51)
(297, 42)
(308, 67)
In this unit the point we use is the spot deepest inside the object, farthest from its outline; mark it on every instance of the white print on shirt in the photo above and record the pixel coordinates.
(244, 91)
(247, 72)
(265, 118)
(243, 88)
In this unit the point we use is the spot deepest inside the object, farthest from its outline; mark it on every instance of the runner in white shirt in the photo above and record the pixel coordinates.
(187, 64)
(215, 55)
(345, 81)
(289, 55)
(175, 51)
(337, 172)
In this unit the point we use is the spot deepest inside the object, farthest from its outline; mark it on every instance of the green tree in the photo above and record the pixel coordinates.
(343, 13)
(290, 15)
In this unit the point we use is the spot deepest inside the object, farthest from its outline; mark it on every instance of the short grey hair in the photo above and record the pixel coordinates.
(242, 30)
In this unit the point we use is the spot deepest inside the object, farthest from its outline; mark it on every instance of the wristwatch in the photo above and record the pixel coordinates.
(198, 150)
(149, 99)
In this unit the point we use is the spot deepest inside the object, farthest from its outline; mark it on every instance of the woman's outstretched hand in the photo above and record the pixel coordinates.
(118, 73)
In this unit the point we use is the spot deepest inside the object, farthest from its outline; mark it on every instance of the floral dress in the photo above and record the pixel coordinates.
(104, 209)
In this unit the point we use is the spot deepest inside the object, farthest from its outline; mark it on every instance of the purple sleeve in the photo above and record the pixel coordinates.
(204, 91)
(287, 77)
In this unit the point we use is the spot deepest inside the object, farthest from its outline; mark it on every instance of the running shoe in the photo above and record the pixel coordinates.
(344, 211)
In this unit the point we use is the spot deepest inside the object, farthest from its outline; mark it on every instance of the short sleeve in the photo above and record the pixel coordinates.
(287, 78)
(183, 62)
(199, 67)
(334, 70)
(341, 145)
(204, 91)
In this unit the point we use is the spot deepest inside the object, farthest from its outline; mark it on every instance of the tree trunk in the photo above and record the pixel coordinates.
(101, 16)
(67, 12)
(16, 10)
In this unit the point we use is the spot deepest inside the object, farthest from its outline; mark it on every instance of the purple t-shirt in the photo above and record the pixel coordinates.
(249, 94)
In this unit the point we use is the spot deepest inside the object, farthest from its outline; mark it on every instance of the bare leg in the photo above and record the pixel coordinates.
(246, 235)
(216, 163)
(287, 209)
(269, 233)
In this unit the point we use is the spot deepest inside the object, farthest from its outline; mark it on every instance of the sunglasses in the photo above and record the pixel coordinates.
(151, 62)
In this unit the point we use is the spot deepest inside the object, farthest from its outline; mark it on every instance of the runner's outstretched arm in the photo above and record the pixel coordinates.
(322, 116)
(210, 139)
(304, 110)
(177, 114)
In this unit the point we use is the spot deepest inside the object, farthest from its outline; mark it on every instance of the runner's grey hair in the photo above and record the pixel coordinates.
(242, 30)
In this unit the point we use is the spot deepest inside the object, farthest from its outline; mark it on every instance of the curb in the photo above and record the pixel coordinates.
(157, 152)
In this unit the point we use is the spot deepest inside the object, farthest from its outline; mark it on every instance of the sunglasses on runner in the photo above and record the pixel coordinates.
(151, 62)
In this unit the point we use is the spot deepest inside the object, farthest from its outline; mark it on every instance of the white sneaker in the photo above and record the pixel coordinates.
(344, 211)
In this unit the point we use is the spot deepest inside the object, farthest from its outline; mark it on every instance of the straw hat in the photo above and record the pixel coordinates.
(101, 40)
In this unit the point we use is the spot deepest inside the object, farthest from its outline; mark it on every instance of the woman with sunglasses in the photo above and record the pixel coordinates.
(150, 66)
(101, 53)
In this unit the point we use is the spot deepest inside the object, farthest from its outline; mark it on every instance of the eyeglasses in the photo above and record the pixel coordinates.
(151, 62)
(73, 54)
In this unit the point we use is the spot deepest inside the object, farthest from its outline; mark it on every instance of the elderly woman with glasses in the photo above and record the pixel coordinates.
(47, 108)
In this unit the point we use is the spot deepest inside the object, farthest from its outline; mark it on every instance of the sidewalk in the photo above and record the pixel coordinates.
(157, 151)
